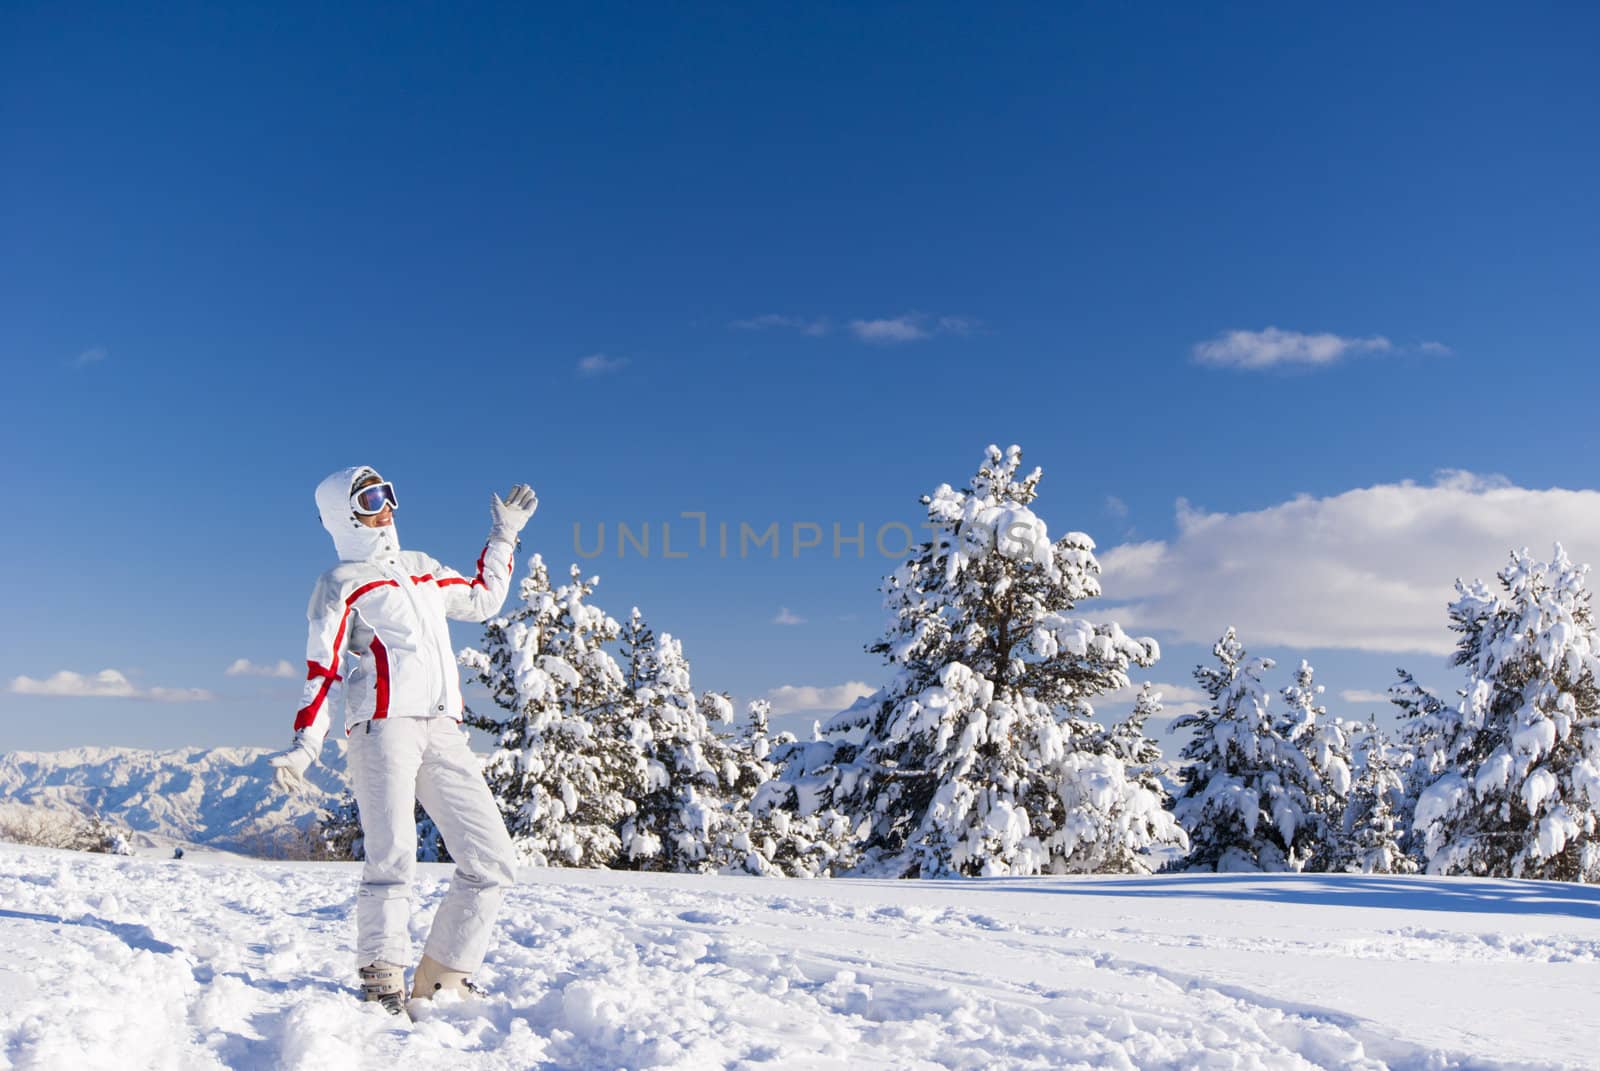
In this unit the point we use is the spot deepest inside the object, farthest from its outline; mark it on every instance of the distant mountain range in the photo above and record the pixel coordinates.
(220, 798)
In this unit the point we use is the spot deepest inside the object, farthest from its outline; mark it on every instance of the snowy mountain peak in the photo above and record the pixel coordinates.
(219, 797)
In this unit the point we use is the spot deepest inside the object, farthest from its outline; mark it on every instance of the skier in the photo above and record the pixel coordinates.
(378, 635)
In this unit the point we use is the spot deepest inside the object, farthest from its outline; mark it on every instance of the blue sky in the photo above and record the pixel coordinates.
(790, 264)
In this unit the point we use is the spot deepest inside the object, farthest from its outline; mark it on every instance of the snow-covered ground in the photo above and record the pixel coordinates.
(130, 963)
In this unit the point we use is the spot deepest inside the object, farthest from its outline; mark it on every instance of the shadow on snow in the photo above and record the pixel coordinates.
(130, 934)
(1459, 895)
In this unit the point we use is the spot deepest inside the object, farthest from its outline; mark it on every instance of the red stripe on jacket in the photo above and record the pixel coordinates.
(306, 716)
(477, 580)
(380, 656)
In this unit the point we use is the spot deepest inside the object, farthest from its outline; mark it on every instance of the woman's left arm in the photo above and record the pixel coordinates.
(480, 598)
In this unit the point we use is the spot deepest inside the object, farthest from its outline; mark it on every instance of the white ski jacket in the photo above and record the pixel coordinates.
(378, 636)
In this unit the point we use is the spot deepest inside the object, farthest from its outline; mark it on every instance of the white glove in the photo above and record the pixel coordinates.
(513, 512)
(289, 767)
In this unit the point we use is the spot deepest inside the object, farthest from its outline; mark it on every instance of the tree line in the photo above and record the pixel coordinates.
(982, 754)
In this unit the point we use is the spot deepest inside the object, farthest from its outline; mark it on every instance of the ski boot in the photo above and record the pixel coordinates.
(433, 978)
(385, 983)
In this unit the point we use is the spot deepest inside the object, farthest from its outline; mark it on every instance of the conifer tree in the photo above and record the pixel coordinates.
(1117, 797)
(755, 747)
(787, 836)
(430, 842)
(1128, 740)
(565, 772)
(338, 834)
(101, 835)
(1243, 799)
(684, 820)
(1430, 732)
(338, 829)
(1373, 834)
(1324, 778)
(1429, 727)
(981, 756)
(1514, 789)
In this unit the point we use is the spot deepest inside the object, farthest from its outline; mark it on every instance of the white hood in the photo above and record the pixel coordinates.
(354, 540)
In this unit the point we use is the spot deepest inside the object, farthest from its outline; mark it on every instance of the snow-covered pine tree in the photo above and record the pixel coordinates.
(717, 707)
(1430, 732)
(750, 850)
(430, 842)
(785, 837)
(683, 819)
(337, 833)
(565, 772)
(1128, 741)
(980, 756)
(1325, 777)
(756, 746)
(1242, 797)
(1112, 767)
(1519, 788)
(338, 830)
(1429, 727)
(105, 836)
(1373, 835)
(1114, 821)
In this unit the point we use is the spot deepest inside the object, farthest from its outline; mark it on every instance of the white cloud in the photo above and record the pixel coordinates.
(1176, 699)
(896, 329)
(1265, 349)
(814, 326)
(888, 330)
(598, 364)
(786, 618)
(789, 698)
(1436, 348)
(107, 684)
(176, 695)
(1371, 569)
(1117, 508)
(1363, 695)
(92, 355)
(911, 327)
(243, 667)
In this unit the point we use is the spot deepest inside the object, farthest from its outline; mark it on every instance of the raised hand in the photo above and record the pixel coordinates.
(512, 512)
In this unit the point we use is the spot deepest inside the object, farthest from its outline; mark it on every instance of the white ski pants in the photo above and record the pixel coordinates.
(395, 762)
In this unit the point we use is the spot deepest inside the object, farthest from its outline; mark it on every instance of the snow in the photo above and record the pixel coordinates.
(1555, 829)
(161, 963)
(1536, 739)
(1494, 773)
(222, 797)
(1442, 798)
(1540, 786)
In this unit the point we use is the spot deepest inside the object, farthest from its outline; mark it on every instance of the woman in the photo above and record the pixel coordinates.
(379, 640)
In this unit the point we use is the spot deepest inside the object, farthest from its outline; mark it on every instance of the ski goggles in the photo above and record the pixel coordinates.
(373, 498)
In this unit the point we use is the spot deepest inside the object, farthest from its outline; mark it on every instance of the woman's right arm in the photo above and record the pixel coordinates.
(328, 620)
